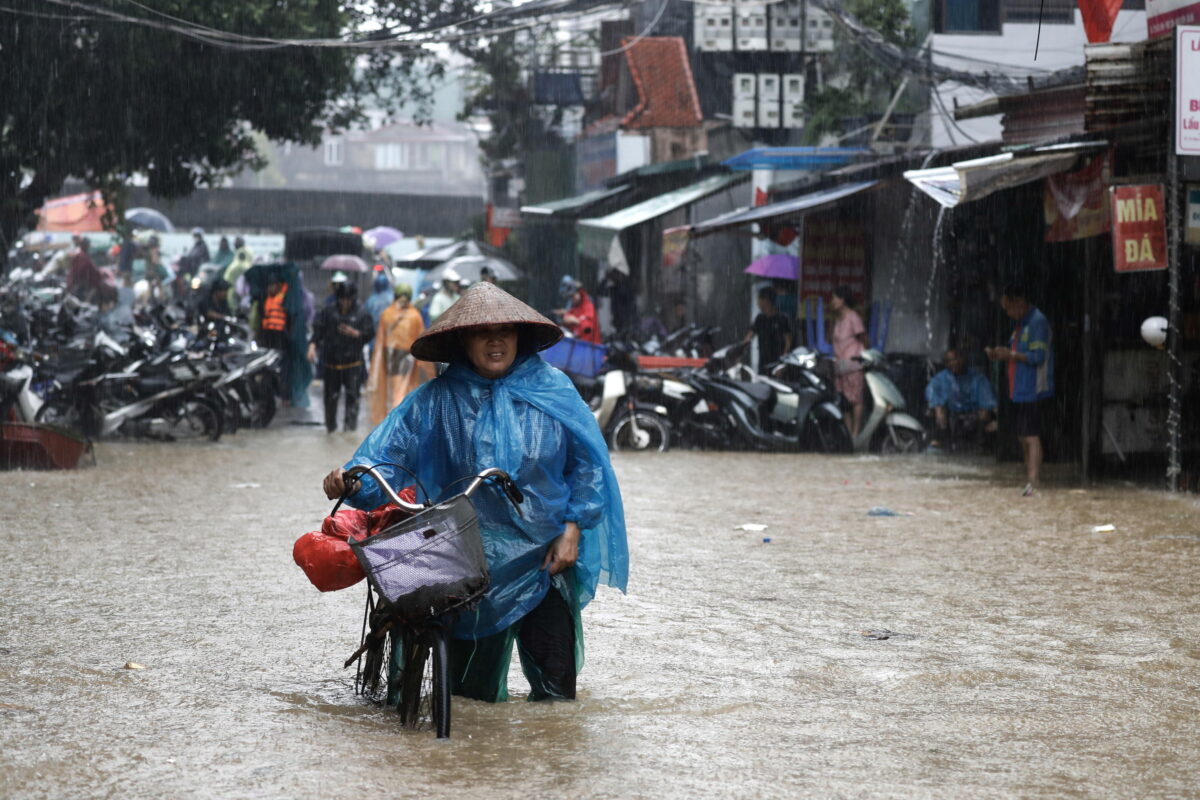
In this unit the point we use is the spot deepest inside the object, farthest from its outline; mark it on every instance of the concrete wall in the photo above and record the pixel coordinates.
(280, 210)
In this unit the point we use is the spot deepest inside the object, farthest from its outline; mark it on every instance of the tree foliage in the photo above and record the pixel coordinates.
(868, 86)
(499, 90)
(104, 100)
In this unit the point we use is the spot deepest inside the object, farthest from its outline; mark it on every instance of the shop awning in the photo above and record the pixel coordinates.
(662, 204)
(796, 158)
(596, 233)
(967, 181)
(782, 209)
(572, 206)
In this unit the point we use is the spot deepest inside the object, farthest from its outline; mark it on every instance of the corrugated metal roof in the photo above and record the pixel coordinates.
(1129, 83)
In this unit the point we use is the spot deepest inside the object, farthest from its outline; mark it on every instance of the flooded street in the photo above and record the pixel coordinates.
(1026, 655)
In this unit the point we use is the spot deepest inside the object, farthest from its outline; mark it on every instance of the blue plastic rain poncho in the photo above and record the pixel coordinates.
(532, 424)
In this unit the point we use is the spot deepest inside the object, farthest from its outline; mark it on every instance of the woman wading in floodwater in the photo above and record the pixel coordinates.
(500, 405)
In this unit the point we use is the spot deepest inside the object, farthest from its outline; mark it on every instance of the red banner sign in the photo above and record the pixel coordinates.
(1138, 228)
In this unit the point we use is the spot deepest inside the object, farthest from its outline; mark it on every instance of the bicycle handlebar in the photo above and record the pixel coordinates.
(511, 491)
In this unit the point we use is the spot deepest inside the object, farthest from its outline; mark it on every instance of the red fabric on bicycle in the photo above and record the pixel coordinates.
(325, 555)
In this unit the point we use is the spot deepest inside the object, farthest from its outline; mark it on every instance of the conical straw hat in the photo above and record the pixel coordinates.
(483, 304)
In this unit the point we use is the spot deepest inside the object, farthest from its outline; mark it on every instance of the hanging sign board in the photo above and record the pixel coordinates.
(1187, 90)
(1138, 228)
(1193, 215)
(1163, 15)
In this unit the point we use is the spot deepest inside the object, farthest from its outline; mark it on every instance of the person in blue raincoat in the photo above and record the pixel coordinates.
(500, 405)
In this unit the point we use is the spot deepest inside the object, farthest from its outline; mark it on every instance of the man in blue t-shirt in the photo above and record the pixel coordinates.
(961, 401)
(1030, 358)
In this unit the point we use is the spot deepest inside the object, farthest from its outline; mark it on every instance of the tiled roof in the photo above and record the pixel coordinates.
(665, 86)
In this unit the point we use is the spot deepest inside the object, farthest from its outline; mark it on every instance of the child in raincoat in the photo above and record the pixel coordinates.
(500, 405)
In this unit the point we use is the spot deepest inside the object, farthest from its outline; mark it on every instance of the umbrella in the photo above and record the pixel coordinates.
(149, 218)
(468, 267)
(345, 264)
(777, 265)
(432, 256)
(381, 237)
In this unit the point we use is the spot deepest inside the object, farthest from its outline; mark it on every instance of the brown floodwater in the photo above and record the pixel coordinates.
(1026, 655)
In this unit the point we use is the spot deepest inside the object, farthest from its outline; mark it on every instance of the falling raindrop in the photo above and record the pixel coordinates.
(906, 231)
(938, 255)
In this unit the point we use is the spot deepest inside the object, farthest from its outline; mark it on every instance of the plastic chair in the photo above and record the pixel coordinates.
(814, 329)
(877, 328)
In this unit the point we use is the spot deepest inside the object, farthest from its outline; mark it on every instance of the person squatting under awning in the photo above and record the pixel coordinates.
(500, 405)
(340, 332)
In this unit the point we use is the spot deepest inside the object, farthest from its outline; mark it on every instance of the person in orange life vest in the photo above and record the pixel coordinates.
(273, 324)
(580, 315)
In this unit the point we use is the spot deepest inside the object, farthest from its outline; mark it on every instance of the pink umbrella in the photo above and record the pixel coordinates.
(345, 264)
(776, 265)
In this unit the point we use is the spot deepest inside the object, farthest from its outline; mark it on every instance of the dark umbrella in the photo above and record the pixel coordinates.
(345, 264)
(432, 256)
(468, 267)
(149, 218)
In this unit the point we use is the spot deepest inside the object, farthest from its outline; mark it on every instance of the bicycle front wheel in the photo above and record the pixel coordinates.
(424, 698)
(440, 700)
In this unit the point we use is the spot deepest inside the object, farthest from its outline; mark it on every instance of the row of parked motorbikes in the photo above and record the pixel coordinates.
(70, 364)
(791, 405)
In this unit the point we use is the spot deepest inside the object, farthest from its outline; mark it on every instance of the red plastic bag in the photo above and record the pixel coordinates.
(328, 561)
(325, 555)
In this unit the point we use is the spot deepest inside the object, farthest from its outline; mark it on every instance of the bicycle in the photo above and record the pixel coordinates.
(421, 572)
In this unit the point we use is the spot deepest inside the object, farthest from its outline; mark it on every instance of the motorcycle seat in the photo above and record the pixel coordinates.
(759, 391)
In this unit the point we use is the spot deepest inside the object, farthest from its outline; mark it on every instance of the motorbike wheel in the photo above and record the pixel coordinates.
(61, 413)
(263, 403)
(828, 435)
(900, 441)
(653, 435)
(196, 419)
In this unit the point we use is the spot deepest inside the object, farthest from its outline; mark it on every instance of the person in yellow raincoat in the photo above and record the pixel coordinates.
(394, 372)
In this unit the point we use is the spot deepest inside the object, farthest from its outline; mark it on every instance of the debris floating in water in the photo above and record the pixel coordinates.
(752, 527)
(877, 633)
(1104, 528)
(766, 540)
(247, 486)
(881, 511)
(132, 665)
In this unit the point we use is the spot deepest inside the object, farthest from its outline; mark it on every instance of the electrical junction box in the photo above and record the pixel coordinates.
(751, 29)
(785, 26)
(820, 31)
(768, 88)
(745, 84)
(744, 113)
(714, 28)
(793, 88)
(768, 114)
(793, 114)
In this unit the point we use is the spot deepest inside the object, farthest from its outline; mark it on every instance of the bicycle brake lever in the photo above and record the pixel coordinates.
(352, 484)
(514, 494)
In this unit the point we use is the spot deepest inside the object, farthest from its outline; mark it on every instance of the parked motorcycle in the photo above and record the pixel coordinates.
(627, 422)
(763, 413)
(886, 427)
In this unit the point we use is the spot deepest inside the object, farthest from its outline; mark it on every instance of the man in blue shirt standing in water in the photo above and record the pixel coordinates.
(1030, 359)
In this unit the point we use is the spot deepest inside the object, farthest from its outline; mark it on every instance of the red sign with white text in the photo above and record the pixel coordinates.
(1138, 228)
